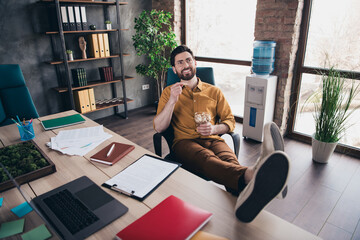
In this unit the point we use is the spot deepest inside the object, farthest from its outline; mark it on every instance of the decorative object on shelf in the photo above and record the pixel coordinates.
(108, 25)
(149, 26)
(70, 55)
(82, 45)
(92, 27)
(332, 109)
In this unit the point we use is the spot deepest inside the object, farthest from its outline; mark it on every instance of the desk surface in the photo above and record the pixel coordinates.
(181, 184)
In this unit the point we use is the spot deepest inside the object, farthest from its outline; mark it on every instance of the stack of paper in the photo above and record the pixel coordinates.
(79, 141)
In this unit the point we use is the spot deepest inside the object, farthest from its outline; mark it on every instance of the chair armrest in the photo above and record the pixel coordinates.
(236, 141)
(157, 143)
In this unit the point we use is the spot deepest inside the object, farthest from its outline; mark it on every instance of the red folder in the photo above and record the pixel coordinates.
(118, 152)
(171, 219)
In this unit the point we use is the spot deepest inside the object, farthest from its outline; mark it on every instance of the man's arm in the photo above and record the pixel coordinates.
(163, 119)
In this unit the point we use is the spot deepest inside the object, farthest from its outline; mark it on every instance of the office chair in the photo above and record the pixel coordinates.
(206, 74)
(15, 98)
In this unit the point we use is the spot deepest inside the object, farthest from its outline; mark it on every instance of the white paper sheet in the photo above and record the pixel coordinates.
(79, 141)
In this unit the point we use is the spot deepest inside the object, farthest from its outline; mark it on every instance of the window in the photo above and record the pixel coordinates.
(332, 40)
(221, 35)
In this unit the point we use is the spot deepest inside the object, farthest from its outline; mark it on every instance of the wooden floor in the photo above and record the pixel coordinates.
(323, 199)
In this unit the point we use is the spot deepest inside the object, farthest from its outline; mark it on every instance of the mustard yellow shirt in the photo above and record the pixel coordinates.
(203, 98)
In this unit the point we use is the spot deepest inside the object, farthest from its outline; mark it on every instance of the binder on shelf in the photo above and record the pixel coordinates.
(106, 44)
(83, 18)
(79, 102)
(133, 182)
(71, 18)
(172, 218)
(94, 46)
(64, 18)
(86, 99)
(112, 153)
(92, 99)
(101, 44)
(77, 18)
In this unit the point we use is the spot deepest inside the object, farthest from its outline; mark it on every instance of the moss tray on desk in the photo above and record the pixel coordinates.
(25, 162)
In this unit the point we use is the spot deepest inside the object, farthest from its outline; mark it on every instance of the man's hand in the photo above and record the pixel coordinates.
(176, 90)
(205, 129)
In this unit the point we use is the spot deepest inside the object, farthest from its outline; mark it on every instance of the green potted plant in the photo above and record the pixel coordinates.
(70, 55)
(108, 24)
(155, 39)
(332, 108)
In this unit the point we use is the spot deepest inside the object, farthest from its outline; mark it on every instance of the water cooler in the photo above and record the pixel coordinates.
(260, 91)
(260, 94)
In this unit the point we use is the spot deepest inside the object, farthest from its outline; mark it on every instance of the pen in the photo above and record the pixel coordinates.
(110, 151)
(127, 193)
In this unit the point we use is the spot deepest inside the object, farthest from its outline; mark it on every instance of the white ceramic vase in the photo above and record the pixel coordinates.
(108, 26)
(322, 151)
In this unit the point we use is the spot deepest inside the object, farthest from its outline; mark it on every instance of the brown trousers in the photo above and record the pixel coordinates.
(211, 158)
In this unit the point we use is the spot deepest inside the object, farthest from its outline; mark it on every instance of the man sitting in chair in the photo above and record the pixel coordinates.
(200, 149)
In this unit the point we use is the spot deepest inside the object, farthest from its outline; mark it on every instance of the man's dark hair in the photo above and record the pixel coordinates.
(178, 50)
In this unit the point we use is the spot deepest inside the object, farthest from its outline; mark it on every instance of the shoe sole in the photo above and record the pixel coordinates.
(268, 182)
(278, 144)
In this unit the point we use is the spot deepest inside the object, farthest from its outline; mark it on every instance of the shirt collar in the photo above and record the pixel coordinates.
(199, 85)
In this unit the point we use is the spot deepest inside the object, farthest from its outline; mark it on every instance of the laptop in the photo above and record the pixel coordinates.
(77, 209)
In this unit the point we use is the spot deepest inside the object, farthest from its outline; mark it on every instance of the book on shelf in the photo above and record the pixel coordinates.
(79, 77)
(172, 218)
(112, 153)
(106, 74)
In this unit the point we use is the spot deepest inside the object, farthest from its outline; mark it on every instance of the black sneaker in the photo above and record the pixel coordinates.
(270, 177)
(273, 141)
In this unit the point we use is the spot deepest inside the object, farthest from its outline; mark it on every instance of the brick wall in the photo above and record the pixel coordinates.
(277, 20)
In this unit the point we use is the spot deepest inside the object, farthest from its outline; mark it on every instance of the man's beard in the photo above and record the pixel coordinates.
(188, 76)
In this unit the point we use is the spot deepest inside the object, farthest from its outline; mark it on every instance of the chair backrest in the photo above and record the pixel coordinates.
(206, 74)
(15, 98)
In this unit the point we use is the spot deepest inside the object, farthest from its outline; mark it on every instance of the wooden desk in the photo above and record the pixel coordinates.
(182, 184)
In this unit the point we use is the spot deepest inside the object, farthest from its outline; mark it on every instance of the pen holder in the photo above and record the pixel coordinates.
(26, 131)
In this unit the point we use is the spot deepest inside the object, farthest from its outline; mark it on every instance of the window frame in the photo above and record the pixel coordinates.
(209, 59)
(298, 71)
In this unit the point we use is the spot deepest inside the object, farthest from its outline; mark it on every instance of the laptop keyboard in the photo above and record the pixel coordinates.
(70, 211)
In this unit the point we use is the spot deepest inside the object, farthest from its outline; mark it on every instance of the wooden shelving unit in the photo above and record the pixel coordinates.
(91, 84)
(69, 88)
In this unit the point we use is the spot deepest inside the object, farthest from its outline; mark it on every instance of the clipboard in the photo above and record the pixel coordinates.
(142, 177)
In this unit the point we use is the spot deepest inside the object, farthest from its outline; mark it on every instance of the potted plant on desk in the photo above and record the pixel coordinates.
(332, 104)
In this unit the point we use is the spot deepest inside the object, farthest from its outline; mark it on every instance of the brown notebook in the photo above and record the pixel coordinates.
(112, 153)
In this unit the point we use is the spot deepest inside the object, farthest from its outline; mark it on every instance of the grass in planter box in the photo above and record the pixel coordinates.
(21, 160)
